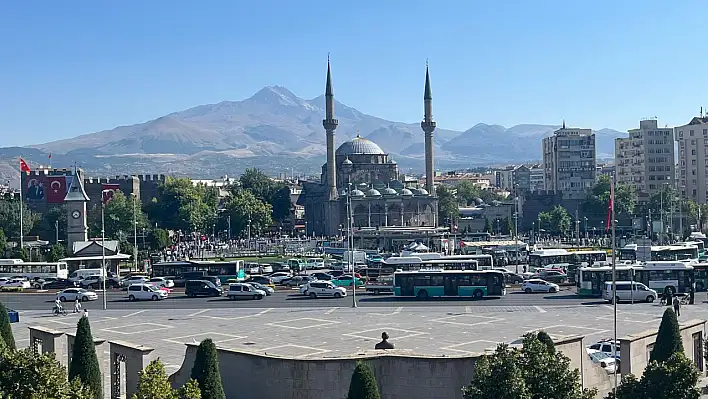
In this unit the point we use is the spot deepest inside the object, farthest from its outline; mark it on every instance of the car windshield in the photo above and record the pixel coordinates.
(599, 356)
(152, 288)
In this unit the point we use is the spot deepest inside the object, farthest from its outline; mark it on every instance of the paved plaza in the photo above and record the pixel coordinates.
(336, 332)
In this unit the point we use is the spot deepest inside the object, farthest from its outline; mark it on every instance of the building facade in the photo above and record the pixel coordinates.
(569, 160)
(536, 181)
(645, 159)
(360, 170)
(693, 159)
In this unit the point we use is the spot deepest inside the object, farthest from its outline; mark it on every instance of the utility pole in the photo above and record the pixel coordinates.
(56, 230)
(228, 221)
(577, 228)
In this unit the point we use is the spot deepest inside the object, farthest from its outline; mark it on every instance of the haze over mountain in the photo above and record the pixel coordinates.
(278, 131)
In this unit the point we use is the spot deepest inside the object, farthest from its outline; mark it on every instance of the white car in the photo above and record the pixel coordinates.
(145, 292)
(278, 277)
(70, 295)
(17, 282)
(268, 290)
(161, 282)
(538, 285)
(604, 360)
(244, 290)
(605, 346)
(128, 281)
(316, 289)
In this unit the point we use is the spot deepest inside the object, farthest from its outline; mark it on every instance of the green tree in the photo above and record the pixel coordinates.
(598, 199)
(281, 203)
(20, 253)
(206, 371)
(182, 205)
(556, 221)
(10, 217)
(84, 362)
(244, 206)
(487, 225)
(56, 252)
(448, 209)
(5, 329)
(668, 339)
(55, 217)
(674, 378)
(190, 390)
(498, 376)
(547, 340)
(118, 215)
(363, 383)
(154, 384)
(159, 239)
(3, 244)
(25, 374)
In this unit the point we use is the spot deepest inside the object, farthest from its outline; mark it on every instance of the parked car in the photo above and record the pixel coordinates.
(604, 360)
(145, 292)
(96, 282)
(243, 290)
(552, 276)
(265, 280)
(605, 346)
(162, 282)
(54, 283)
(195, 288)
(336, 273)
(322, 276)
(130, 280)
(268, 290)
(538, 285)
(70, 294)
(297, 281)
(347, 280)
(316, 289)
(629, 291)
(279, 277)
(16, 282)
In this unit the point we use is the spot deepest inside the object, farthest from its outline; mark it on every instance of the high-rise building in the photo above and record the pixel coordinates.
(693, 158)
(536, 181)
(569, 160)
(645, 159)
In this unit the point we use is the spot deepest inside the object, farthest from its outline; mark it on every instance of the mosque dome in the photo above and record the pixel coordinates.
(406, 192)
(389, 191)
(359, 146)
(373, 193)
(343, 193)
(357, 193)
(420, 191)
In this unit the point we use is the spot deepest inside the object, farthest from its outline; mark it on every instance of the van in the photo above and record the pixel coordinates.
(201, 288)
(80, 274)
(629, 291)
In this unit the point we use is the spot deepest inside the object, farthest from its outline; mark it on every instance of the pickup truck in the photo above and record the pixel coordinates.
(383, 284)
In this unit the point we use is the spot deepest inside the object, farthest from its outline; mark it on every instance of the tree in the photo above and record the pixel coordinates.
(5, 329)
(84, 362)
(448, 209)
(668, 339)
(159, 239)
(27, 374)
(281, 203)
(119, 216)
(57, 251)
(674, 378)
(557, 221)
(154, 384)
(498, 377)
(598, 199)
(55, 217)
(363, 383)
(487, 225)
(10, 217)
(3, 243)
(243, 207)
(547, 340)
(206, 371)
(182, 205)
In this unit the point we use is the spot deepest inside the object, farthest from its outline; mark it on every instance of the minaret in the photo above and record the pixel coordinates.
(330, 124)
(428, 126)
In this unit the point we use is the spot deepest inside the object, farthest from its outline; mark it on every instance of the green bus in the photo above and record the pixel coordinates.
(701, 272)
(426, 284)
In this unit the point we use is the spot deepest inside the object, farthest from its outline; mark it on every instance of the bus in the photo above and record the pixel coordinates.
(701, 276)
(681, 252)
(228, 270)
(486, 262)
(555, 258)
(426, 284)
(660, 276)
(407, 263)
(33, 270)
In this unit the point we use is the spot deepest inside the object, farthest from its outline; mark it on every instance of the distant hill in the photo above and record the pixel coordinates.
(275, 130)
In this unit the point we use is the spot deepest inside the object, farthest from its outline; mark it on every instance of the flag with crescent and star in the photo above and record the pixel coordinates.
(55, 189)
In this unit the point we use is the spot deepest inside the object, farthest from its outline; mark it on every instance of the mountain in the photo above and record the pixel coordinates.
(277, 131)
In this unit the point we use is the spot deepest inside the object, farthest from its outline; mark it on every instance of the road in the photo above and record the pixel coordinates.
(291, 299)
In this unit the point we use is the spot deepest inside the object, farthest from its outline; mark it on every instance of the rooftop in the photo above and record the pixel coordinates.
(359, 146)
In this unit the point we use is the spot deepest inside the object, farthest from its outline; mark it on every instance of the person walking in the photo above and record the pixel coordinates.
(677, 306)
(77, 305)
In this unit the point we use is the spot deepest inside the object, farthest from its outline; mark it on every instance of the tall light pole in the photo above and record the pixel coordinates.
(103, 245)
(350, 243)
(228, 222)
(614, 276)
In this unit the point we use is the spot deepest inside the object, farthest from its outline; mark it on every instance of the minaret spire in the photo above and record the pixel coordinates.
(330, 125)
(428, 126)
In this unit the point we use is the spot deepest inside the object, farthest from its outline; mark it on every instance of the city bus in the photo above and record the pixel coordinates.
(408, 263)
(224, 270)
(555, 258)
(681, 252)
(659, 276)
(701, 276)
(425, 284)
(485, 261)
(33, 270)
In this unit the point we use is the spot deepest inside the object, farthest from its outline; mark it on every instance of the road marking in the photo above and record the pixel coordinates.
(331, 310)
(263, 312)
(198, 313)
(135, 313)
(540, 310)
(395, 312)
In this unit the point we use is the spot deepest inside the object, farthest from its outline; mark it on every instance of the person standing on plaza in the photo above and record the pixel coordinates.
(677, 306)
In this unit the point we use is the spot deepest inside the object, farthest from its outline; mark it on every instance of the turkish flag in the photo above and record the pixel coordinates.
(108, 190)
(24, 167)
(55, 189)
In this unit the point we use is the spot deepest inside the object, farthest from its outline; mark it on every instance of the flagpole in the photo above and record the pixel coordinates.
(22, 239)
(614, 277)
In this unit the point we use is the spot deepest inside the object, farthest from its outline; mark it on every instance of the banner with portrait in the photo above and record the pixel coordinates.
(35, 188)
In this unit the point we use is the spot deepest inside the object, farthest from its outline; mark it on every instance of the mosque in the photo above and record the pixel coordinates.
(361, 170)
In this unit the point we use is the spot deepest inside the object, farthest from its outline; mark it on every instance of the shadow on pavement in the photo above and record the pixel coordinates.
(399, 299)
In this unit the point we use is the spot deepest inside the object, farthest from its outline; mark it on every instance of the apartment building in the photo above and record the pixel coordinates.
(693, 158)
(536, 182)
(645, 159)
(514, 176)
(569, 160)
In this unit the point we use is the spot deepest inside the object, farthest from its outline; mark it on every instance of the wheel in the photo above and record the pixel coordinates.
(312, 295)
(131, 297)
(478, 294)
(423, 294)
(84, 299)
(62, 299)
(552, 290)
(617, 299)
(255, 297)
(528, 290)
(155, 298)
(337, 295)
(260, 296)
(650, 298)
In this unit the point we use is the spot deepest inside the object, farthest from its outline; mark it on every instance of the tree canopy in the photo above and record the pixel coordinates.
(182, 205)
(598, 200)
(265, 189)
(674, 378)
(448, 209)
(243, 206)
(10, 217)
(154, 384)
(206, 371)
(556, 221)
(467, 192)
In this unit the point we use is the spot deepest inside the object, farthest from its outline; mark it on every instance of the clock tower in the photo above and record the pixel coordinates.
(76, 199)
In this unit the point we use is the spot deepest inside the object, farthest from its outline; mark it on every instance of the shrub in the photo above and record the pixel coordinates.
(206, 371)
(668, 339)
(84, 362)
(363, 383)
(6, 329)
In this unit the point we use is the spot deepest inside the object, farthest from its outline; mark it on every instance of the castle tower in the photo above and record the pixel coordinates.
(330, 124)
(428, 126)
(76, 199)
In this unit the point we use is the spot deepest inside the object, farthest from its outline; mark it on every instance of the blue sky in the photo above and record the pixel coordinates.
(68, 68)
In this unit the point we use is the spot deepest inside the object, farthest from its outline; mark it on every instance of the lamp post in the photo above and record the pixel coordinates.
(350, 244)
(103, 245)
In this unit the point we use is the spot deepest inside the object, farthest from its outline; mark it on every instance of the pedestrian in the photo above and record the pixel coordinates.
(677, 306)
(86, 313)
(77, 306)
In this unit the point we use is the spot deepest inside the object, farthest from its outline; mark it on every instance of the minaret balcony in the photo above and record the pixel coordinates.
(330, 124)
(428, 126)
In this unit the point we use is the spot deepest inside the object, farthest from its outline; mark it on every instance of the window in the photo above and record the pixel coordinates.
(650, 348)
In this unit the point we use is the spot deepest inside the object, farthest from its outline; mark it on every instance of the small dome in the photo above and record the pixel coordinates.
(357, 193)
(347, 161)
(359, 145)
(343, 193)
(406, 192)
(373, 193)
(423, 191)
(389, 191)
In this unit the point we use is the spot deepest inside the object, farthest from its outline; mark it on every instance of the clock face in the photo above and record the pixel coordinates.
(76, 214)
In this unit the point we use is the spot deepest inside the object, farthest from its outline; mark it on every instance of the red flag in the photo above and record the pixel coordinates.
(24, 167)
(50, 155)
(611, 205)
(107, 191)
(56, 189)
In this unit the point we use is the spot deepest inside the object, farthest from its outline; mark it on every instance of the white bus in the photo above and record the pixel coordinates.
(33, 270)
(408, 263)
(682, 252)
(486, 262)
(659, 276)
(557, 258)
